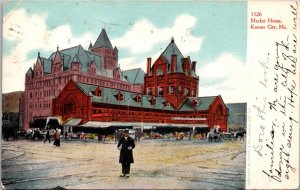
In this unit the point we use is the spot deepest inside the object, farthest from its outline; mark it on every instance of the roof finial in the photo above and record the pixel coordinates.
(172, 39)
(57, 48)
(38, 53)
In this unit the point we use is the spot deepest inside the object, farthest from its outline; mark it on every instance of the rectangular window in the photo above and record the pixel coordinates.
(171, 89)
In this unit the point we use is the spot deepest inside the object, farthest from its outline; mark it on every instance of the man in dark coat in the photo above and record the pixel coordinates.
(125, 145)
(47, 137)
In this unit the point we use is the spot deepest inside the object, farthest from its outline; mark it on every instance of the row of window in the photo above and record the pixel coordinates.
(42, 93)
(50, 82)
(39, 105)
(160, 90)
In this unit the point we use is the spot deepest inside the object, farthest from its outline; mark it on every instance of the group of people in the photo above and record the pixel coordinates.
(56, 137)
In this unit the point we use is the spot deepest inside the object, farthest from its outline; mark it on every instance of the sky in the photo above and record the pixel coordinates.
(212, 33)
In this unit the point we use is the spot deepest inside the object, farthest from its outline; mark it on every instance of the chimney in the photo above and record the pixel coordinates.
(148, 66)
(194, 65)
(173, 63)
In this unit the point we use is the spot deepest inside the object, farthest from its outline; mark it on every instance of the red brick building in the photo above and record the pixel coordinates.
(47, 78)
(169, 99)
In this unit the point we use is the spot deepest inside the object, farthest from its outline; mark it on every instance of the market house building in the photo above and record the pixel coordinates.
(169, 99)
(96, 66)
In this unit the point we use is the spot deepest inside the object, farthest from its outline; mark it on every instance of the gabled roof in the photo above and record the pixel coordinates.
(203, 103)
(103, 40)
(108, 96)
(29, 72)
(134, 76)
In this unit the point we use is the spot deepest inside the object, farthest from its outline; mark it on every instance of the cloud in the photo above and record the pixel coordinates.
(144, 35)
(226, 76)
(29, 32)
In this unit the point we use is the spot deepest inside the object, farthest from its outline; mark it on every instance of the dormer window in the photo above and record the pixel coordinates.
(98, 92)
(166, 104)
(153, 100)
(194, 103)
(120, 96)
(138, 99)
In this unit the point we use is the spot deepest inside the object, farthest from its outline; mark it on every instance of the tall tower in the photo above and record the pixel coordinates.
(171, 76)
(103, 47)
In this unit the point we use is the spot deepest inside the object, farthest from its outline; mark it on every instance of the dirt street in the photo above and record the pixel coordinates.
(158, 164)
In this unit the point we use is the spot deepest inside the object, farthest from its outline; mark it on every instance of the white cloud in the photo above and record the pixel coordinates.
(144, 35)
(129, 63)
(226, 76)
(30, 33)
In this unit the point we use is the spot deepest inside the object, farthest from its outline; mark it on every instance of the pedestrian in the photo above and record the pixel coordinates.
(116, 136)
(125, 145)
(47, 137)
(56, 138)
(66, 135)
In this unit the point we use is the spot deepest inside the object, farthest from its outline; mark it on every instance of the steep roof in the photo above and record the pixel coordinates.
(172, 49)
(46, 63)
(109, 97)
(134, 76)
(82, 56)
(103, 40)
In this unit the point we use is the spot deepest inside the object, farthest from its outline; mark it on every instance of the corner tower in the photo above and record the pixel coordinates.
(172, 76)
(103, 47)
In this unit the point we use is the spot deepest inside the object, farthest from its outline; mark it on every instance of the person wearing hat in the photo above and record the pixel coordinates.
(125, 145)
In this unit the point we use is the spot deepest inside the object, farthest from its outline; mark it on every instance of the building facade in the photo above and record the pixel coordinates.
(12, 112)
(45, 80)
(171, 76)
(169, 99)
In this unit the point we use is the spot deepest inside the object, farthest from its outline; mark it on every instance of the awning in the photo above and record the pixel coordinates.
(95, 124)
(73, 122)
(98, 124)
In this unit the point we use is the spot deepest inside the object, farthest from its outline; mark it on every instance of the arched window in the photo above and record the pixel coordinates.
(69, 105)
(159, 72)
(219, 110)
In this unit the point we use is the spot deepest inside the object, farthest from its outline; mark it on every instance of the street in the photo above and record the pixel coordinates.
(91, 165)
